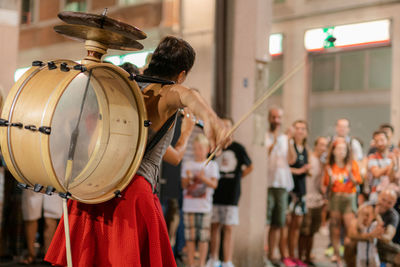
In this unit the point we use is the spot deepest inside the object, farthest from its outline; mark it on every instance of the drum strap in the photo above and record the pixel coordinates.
(160, 133)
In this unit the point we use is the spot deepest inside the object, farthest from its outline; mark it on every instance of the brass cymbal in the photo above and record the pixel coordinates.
(112, 39)
(102, 22)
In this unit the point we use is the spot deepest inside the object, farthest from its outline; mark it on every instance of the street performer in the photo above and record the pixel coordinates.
(130, 230)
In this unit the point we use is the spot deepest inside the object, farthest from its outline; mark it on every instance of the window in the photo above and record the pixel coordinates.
(380, 69)
(75, 5)
(356, 70)
(323, 73)
(275, 72)
(275, 67)
(27, 7)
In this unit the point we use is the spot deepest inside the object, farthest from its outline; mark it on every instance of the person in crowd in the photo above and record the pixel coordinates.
(314, 201)
(280, 182)
(33, 206)
(198, 182)
(381, 165)
(234, 164)
(340, 180)
(389, 252)
(299, 169)
(364, 232)
(389, 130)
(342, 130)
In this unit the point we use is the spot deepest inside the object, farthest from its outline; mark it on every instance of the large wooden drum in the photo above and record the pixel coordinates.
(56, 105)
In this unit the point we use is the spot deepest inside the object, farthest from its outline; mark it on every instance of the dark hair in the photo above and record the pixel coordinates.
(130, 68)
(387, 125)
(331, 156)
(377, 132)
(171, 57)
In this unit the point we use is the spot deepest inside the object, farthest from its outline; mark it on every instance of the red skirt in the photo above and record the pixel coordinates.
(128, 231)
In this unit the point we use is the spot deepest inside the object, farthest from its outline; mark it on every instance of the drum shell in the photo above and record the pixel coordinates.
(32, 101)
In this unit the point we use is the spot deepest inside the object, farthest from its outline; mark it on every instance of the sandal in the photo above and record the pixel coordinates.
(27, 260)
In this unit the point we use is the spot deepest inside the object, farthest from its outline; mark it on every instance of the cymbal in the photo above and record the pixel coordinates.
(102, 22)
(112, 39)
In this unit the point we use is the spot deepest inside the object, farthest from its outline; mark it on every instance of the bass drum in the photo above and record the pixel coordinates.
(74, 128)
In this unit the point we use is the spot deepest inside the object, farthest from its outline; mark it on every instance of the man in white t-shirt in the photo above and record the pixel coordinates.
(280, 182)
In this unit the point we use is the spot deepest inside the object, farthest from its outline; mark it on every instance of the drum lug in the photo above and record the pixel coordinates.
(147, 123)
(51, 65)
(118, 194)
(22, 186)
(45, 130)
(64, 67)
(17, 124)
(37, 63)
(4, 122)
(80, 67)
(37, 188)
(64, 195)
(50, 190)
(31, 127)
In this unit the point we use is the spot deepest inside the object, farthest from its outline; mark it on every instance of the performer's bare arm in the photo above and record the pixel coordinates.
(178, 96)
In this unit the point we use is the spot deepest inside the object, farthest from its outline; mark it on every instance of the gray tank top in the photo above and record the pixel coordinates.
(150, 166)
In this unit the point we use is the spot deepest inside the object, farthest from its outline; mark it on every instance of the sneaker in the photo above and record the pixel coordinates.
(329, 252)
(268, 263)
(288, 262)
(341, 251)
(227, 264)
(298, 262)
(213, 263)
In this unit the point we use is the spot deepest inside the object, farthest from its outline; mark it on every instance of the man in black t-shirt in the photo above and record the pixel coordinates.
(389, 252)
(234, 163)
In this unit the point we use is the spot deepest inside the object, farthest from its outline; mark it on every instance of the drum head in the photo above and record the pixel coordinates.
(68, 118)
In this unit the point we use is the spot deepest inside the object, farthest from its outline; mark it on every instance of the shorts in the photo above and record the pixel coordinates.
(277, 204)
(225, 214)
(343, 202)
(387, 251)
(197, 226)
(297, 207)
(311, 221)
(33, 203)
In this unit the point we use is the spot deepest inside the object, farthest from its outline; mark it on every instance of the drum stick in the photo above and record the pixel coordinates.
(256, 105)
(66, 229)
